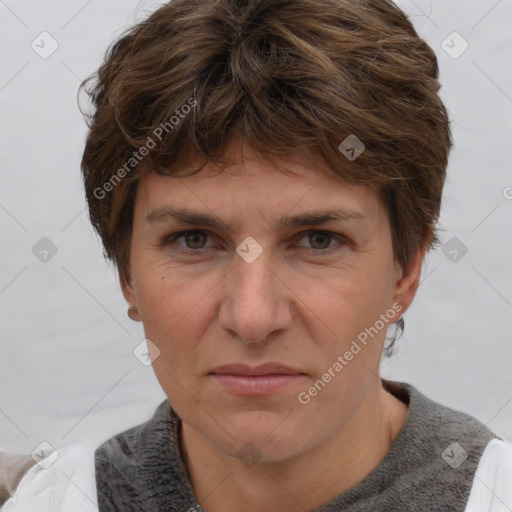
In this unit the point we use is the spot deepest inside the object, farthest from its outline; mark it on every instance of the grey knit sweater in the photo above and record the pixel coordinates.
(430, 467)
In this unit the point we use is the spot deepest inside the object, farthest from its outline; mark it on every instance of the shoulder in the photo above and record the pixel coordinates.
(438, 456)
(58, 480)
(119, 453)
(432, 422)
(492, 485)
(142, 468)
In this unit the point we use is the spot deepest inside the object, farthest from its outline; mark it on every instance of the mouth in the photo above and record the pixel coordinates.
(245, 380)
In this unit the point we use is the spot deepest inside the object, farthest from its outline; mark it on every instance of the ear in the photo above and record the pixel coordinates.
(408, 280)
(129, 295)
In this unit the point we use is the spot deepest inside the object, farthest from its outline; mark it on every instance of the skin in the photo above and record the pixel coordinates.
(302, 302)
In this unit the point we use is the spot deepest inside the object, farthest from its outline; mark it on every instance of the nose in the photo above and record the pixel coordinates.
(256, 304)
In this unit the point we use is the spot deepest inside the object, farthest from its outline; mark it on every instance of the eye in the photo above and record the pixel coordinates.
(196, 241)
(322, 241)
(193, 240)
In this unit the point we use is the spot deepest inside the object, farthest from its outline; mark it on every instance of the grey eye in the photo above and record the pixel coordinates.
(195, 240)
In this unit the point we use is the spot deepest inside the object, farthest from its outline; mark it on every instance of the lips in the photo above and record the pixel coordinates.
(264, 369)
(265, 379)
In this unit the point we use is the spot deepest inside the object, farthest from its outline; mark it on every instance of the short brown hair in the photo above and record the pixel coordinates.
(284, 75)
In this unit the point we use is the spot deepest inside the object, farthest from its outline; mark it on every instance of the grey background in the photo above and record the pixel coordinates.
(67, 369)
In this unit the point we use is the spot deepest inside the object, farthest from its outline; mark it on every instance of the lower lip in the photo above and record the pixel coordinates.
(256, 385)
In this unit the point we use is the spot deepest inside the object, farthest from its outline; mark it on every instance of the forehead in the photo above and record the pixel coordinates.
(247, 182)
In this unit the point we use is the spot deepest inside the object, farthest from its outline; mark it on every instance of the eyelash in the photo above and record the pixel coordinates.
(317, 252)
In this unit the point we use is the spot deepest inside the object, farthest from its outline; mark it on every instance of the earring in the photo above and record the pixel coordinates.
(133, 313)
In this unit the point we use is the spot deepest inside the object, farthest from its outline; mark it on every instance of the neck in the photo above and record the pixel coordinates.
(224, 484)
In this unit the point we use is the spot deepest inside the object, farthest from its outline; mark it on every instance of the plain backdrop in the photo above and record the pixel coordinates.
(67, 368)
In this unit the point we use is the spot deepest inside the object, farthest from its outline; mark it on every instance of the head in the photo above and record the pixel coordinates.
(308, 145)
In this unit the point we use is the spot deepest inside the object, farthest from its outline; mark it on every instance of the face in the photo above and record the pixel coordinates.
(267, 297)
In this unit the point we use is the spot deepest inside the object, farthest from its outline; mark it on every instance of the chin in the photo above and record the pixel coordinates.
(266, 436)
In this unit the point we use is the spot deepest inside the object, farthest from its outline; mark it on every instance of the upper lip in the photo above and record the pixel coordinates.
(264, 369)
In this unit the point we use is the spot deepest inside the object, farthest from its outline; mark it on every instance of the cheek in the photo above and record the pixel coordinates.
(166, 296)
(173, 314)
(345, 303)
(175, 311)
(350, 360)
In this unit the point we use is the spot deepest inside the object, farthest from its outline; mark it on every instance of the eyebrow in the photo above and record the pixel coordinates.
(314, 218)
